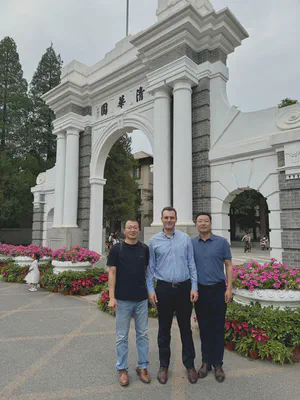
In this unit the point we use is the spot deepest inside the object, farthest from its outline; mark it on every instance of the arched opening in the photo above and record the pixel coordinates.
(249, 212)
(50, 218)
(128, 192)
(106, 138)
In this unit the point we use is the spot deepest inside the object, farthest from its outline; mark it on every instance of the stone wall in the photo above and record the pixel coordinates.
(84, 190)
(201, 146)
(290, 217)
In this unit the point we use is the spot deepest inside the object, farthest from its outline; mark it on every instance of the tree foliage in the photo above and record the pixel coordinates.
(13, 97)
(121, 200)
(287, 102)
(45, 78)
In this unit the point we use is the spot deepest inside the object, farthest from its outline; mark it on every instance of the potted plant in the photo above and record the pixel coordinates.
(76, 259)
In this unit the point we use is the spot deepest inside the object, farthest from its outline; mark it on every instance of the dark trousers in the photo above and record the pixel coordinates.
(170, 300)
(210, 310)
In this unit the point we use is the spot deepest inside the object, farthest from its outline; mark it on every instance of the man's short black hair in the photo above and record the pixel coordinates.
(132, 220)
(203, 213)
(168, 209)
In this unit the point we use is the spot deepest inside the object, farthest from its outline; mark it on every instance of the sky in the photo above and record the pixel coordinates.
(264, 70)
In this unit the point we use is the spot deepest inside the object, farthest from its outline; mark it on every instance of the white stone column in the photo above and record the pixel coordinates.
(96, 214)
(162, 154)
(60, 178)
(71, 178)
(182, 153)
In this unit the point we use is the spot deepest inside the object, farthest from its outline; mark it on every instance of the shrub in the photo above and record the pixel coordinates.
(270, 331)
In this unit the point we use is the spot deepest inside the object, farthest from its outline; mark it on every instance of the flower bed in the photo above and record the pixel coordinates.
(264, 333)
(10, 250)
(76, 254)
(75, 283)
(270, 284)
(271, 275)
(13, 273)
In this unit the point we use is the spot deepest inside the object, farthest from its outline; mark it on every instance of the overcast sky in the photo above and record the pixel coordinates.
(265, 69)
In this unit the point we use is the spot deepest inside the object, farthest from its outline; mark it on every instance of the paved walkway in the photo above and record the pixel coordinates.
(239, 257)
(54, 347)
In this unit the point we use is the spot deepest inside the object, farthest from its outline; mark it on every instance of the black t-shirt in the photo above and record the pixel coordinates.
(131, 262)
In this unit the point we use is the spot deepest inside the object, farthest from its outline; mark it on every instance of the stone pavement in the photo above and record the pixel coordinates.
(239, 257)
(54, 347)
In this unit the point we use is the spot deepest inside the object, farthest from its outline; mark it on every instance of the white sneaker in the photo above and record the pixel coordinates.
(33, 289)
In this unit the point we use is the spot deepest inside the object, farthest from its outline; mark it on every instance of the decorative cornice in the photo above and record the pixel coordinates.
(70, 121)
(214, 30)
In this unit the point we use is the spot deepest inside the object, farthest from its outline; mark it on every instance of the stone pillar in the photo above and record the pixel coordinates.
(162, 152)
(71, 178)
(96, 217)
(201, 147)
(38, 218)
(182, 152)
(84, 189)
(60, 178)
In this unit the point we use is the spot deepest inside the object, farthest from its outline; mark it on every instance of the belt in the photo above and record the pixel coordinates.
(174, 284)
(212, 286)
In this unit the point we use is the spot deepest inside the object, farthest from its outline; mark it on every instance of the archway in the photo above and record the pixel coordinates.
(249, 212)
(106, 138)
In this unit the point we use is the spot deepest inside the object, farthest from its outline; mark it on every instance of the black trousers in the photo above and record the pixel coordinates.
(174, 299)
(210, 310)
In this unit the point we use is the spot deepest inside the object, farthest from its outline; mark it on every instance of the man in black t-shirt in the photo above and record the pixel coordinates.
(128, 294)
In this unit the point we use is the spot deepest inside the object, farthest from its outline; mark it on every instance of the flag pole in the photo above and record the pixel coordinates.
(127, 18)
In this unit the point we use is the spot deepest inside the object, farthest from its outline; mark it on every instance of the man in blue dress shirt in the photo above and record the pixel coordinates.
(211, 252)
(172, 266)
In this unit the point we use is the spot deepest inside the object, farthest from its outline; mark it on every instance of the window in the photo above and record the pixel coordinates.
(137, 172)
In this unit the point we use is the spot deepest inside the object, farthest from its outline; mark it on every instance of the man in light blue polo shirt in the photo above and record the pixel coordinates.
(172, 266)
(211, 252)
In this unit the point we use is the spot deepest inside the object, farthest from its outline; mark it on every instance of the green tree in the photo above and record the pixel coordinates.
(17, 176)
(287, 102)
(13, 97)
(47, 76)
(121, 200)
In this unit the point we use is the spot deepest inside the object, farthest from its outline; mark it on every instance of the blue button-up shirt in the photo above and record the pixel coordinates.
(171, 260)
(209, 258)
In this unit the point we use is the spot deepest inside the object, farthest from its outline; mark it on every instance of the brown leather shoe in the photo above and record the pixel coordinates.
(192, 375)
(162, 375)
(143, 374)
(123, 377)
(203, 371)
(219, 374)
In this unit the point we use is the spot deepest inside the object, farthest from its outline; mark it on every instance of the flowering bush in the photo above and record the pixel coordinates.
(271, 275)
(75, 254)
(72, 282)
(274, 334)
(11, 250)
(13, 273)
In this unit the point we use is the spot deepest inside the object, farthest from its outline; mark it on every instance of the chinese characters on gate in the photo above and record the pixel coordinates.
(139, 96)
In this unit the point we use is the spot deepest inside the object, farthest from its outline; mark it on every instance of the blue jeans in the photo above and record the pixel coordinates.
(125, 310)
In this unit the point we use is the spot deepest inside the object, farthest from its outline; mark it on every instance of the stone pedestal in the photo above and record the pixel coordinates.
(61, 237)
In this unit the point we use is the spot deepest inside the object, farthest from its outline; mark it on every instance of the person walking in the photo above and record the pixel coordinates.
(247, 240)
(127, 264)
(211, 252)
(172, 266)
